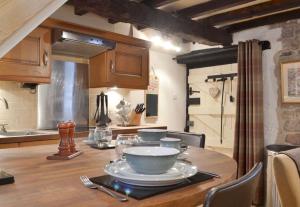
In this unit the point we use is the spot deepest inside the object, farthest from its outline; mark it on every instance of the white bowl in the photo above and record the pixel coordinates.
(152, 134)
(151, 160)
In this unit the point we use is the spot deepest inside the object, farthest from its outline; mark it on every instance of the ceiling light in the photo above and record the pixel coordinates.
(156, 40)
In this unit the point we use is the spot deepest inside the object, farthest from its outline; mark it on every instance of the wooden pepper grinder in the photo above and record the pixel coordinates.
(71, 126)
(64, 146)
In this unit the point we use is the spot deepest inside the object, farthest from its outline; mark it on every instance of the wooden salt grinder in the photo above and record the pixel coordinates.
(71, 126)
(64, 146)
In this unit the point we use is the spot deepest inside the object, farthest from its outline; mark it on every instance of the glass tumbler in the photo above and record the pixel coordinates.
(123, 141)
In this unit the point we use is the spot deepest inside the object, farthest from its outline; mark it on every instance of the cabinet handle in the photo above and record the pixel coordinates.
(45, 58)
(112, 68)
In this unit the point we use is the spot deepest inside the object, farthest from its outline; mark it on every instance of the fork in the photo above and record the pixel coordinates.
(87, 183)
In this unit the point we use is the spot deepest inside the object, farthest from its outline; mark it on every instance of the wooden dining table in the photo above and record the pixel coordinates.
(55, 183)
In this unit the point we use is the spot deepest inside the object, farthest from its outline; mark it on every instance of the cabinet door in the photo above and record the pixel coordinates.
(129, 66)
(29, 61)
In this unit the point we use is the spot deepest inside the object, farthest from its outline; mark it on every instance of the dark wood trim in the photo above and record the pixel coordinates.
(142, 15)
(276, 18)
(210, 7)
(53, 23)
(252, 11)
(213, 56)
(157, 3)
(187, 116)
(209, 57)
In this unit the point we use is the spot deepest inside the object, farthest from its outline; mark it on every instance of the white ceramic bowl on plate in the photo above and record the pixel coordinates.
(151, 160)
(151, 135)
(124, 173)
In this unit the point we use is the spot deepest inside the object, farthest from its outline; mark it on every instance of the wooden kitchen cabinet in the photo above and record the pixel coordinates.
(29, 61)
(126, 66)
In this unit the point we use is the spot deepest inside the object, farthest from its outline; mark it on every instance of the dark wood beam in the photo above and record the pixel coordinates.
(252, 11)
(142, 15)
(79, 11)
(157, 3)
(272, 19)
(210, 7)
(112, 21)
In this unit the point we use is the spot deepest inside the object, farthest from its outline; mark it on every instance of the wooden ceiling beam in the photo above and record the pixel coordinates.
(272, 19)
(142, 15)
(157, 3)
(252, 12)
(210, 7)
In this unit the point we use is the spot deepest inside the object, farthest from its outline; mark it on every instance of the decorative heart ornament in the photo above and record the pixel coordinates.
(214, 92)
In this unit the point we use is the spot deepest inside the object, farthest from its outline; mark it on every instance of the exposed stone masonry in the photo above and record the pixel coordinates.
(288, 114)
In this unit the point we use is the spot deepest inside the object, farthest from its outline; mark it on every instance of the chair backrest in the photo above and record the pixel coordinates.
(238, 193)
(191, 139)
(287, 180)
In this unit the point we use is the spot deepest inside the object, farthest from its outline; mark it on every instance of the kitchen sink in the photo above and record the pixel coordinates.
(20, 133)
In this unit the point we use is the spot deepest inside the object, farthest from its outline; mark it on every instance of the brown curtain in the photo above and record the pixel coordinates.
(249, 134)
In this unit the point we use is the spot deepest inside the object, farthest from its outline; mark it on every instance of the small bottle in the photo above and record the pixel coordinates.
(71, 126)
(64, 146)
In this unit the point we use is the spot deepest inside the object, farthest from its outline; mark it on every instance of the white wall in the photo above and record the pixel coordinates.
(172, 95)
(270, 82)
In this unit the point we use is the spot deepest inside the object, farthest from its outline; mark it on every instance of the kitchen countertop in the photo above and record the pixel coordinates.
(53, 134)
(48, 183)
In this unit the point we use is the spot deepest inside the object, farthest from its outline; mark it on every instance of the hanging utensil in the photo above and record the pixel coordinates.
(108, 120)
(222, 110)
(102, 119)
(96, 116)
(231, 98)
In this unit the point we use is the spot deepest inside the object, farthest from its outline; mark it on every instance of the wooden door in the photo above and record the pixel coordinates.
(29, 61)
(206, 116)
(129, 66)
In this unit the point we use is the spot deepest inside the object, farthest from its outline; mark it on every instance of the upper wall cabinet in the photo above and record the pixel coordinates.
(126, 66)
(29, 61)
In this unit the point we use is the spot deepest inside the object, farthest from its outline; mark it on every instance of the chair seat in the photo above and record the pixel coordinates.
(287, 180)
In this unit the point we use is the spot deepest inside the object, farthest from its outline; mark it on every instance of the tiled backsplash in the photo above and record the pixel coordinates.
(22, 112)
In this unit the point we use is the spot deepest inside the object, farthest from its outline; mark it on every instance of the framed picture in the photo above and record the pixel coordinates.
(290, 82)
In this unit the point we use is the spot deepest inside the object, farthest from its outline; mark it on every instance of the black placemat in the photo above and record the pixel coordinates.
(140, 192)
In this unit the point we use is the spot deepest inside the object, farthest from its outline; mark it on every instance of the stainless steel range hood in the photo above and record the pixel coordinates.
(79, 45)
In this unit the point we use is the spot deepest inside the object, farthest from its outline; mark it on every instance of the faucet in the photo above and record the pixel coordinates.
(4, 101)
(3, 129)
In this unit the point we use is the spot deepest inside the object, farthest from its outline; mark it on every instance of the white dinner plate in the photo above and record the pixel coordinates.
(123, 172)
(89, 142)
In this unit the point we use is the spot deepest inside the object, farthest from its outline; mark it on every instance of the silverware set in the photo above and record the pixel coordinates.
(89, 184)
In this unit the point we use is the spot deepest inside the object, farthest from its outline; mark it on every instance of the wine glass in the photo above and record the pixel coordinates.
(123, 141)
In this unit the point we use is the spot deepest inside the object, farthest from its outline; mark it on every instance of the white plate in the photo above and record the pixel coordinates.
(89, 142)
(178, 173)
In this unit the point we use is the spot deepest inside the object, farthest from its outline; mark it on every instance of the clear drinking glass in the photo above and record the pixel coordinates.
(103, 136)
(123, 141)
(108, 135)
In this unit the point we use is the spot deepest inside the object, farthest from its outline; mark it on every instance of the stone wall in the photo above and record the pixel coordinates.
(288, 114)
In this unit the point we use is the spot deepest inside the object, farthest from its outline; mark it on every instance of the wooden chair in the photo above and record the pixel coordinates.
(238, 193)
(287, 180)
(191, 139)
